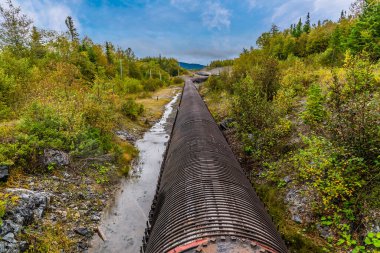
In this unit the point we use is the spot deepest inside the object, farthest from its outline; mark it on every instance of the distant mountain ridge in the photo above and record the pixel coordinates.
(191, 66)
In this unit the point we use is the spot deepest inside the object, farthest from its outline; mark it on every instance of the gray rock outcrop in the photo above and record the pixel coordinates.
(30, 206)
(57, 157)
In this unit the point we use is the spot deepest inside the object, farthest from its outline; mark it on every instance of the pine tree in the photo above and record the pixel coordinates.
(365, 34)
(109, 52)
(274, 29)
(306, 27)
(130, 54)
(37, 49)
(72, 30)
(342, 15)
(298, 29)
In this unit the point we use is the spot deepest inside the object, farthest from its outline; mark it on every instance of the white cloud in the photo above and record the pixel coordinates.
(212, 13)
(331, 7)
(215, 16)
(47, 14)
(290, 11)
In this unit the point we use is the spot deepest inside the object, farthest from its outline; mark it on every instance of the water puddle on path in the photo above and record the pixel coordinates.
(124, 221)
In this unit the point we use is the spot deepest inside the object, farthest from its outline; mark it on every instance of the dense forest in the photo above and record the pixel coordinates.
(305, 110)
(64, 94)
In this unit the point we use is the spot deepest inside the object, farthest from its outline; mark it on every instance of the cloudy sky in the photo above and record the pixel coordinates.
(195, 31)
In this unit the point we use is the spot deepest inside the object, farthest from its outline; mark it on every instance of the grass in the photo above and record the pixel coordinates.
(153, 106)
(219, 104)
(50, 238)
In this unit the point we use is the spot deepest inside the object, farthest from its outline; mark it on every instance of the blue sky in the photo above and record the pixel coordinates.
(196, 31)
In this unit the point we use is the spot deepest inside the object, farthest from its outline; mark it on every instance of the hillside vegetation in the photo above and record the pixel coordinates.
(59, 91)
(306, 111)
(63, 93)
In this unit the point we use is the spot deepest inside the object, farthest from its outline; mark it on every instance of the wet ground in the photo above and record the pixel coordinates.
(124, 221)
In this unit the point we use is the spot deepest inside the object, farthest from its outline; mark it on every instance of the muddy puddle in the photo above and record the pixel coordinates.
(124, 221)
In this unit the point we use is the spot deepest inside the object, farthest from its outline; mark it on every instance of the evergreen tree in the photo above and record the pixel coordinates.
(274, 29)
(298, 29)
(72, 30)
(15, 27)
(130, 54)
(365, 34)
(109, 52)
(342, 16)
(306, 27)
(37, 49)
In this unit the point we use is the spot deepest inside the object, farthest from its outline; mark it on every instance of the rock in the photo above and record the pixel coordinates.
(56, 157)
(29, 207)
(299, 201)
(32, 205)
(10, 238)
(324, 232)
(296, 218)
(125, 135)
(226, 124)
(287, 179)
(371, 220)
(2, 247)
(23, 246)
(83, 232)
(82, 246)
(9, 226)
(95, 218)
(4, 173)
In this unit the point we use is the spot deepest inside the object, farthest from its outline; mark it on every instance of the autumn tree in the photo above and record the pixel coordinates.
(14, 27)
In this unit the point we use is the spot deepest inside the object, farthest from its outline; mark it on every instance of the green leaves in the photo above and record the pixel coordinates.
(365, 34)
(315, 112)
(132, 109)
(373, 240)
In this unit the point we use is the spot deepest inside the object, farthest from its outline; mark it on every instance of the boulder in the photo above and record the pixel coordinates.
(57, 157)
(125, 135)
(299, 201)
(4, 173)
(29, 207)
(83, 232)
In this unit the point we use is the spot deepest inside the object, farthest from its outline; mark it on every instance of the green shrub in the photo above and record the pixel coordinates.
(92, 141)
(131, 85)
(131, 109)
(177, 80)
(152, 84)
(315, 112)
(5, 111)
(214, 83)
(353, 106)
(334, 174)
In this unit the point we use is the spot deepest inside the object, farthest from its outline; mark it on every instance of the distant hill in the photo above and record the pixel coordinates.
(191, 66)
